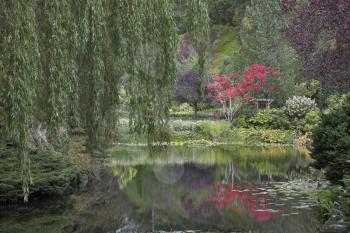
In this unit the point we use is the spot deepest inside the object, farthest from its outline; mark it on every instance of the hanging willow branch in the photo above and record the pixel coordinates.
(65, 60)
(56, 64)
(149, 38)
(94, 67)
(198, 22)
(18, 70)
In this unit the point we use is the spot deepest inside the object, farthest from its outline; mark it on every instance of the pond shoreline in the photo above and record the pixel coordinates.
(79, 161)
(194, 168)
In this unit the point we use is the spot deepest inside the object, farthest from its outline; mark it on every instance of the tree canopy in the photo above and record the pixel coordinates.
(62, 63)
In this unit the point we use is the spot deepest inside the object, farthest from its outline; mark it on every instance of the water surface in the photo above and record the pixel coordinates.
(203, 189)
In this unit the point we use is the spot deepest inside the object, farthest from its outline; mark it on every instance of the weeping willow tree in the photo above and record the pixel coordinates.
(94, 69)
(62, 63)
(56, 66)
(113, 74)
(149, 47)
(18, 71)
(197, 21)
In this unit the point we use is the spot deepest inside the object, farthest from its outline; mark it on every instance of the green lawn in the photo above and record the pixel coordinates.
(227, 44)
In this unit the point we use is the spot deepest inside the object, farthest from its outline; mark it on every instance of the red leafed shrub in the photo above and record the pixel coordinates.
(231, 91)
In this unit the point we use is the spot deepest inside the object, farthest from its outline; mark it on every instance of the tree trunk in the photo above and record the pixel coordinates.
(195, 106)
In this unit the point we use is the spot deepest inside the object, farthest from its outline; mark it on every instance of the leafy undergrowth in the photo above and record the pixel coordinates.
(187, 132)
(235, 136)
(52, 175)
(225, 45)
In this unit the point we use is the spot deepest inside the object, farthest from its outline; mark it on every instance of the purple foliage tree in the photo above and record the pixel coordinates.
(188, 89)
(320, 33)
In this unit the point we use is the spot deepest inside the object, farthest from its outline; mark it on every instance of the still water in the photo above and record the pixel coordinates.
(181, 189)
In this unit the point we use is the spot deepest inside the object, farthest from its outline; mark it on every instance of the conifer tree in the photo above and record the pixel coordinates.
(262, 42)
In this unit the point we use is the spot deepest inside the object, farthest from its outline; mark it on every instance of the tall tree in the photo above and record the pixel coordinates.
(94, 18)
(75, 52)
(198, 21)
(188, 89)
(320, 33)
(149, 34)
(263, 42)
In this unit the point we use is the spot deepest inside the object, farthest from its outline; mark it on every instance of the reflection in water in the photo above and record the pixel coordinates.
(221, 189)
(257, 205)
(123, 175)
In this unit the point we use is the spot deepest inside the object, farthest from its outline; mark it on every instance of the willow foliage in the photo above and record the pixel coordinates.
(149, 38)
(62, 64)
(18, 71)
(198, 22)
(94, 67)
(55, 63)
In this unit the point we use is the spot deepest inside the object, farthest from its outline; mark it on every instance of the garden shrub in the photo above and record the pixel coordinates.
(180, 125)
(214, 129)
(312, 119)
(298, 106)
(270, 119)
(267, 136)
(309, 89)
(52, 173)
(272, 136)
(184, 108)
(331, 141)
(162, 134)
(240, 121)
(261, 119)
(335, 200)
(333, 102)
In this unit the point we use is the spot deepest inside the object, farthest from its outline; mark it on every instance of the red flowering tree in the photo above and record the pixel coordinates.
(232, 91)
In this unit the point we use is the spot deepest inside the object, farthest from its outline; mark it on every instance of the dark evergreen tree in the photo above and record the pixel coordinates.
(331, 141)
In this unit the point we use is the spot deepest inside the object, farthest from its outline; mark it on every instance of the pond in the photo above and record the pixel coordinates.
(175, 189)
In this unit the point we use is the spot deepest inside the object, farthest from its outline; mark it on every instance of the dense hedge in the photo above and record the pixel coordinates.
(331, 140)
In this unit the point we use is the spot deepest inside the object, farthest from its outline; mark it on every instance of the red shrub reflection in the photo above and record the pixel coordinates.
(226, 197)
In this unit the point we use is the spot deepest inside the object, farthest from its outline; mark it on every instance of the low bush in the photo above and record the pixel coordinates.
(180, 125)
(335, 200)
(182, 108)
(331, 141)
(312, 119)
(214, 129)
(268, 136)
(240, 121)
(275, 136)
(298, 106)
(52, 173)
(270, 119)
